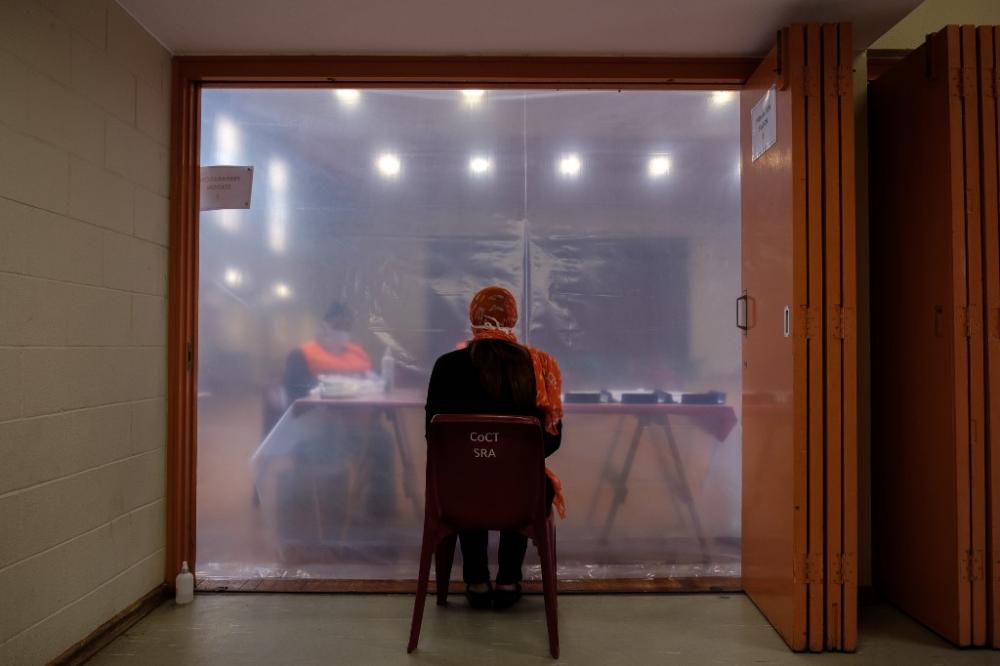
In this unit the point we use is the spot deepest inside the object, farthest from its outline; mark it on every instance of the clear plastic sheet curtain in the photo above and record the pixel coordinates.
(612, 216)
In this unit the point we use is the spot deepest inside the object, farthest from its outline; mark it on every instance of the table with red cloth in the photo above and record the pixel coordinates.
(716, 420)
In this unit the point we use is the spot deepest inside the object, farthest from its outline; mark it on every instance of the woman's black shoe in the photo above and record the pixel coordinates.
(506, 598)
(480, 600)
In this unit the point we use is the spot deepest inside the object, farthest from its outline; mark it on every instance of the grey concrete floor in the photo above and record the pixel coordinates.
(607, 630)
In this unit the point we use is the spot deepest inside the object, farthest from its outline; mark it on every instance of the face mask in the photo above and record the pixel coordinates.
(335, 339)
(491, 324)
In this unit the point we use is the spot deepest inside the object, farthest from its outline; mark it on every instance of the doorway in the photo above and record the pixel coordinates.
(798, 568)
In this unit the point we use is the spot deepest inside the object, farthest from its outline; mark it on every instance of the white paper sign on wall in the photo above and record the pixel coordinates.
(226, 187)
(764, 123)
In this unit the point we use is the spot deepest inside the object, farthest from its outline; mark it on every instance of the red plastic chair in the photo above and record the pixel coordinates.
(485, 473)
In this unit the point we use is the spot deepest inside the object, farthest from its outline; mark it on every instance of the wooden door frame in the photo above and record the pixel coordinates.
(193, 73)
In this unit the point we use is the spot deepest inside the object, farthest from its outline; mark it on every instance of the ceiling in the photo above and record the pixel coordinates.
(498, 27)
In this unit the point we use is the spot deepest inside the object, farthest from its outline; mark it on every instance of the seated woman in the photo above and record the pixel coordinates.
(493, 374)
(329, 352)
(341, 438)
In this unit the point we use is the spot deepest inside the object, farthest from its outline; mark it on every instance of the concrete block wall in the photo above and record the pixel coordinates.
(84, 178)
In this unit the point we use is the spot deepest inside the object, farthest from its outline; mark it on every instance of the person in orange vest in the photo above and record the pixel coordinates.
(329, 352)
(347, 438)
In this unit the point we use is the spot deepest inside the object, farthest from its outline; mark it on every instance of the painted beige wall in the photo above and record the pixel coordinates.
(932, 15)
(84, 127)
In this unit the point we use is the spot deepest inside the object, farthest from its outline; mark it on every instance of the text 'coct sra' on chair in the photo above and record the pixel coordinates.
(485, 473)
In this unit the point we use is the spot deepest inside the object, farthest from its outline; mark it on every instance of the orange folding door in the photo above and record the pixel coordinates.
(780, 565)
(928, 457)
(812, 310)
(968, 94)
(989, 69)
(840, 334)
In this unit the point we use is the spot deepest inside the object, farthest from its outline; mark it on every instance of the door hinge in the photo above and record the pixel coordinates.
(190, 355)
(972, 565)
(845, 79)
(988, 83)
(840, 321)
(962, 81)
(970, 320)
(969, 83)
(843, 568)
(807, 322)
(807, 568)
(955, 82)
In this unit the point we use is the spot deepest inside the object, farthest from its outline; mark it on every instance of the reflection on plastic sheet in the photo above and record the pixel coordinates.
(614, 217)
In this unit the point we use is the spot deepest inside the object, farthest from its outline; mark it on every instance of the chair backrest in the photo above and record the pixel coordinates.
(485, 472)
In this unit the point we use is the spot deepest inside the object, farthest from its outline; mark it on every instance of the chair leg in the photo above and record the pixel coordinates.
(426, 550)
(443, 557)
(547, 555)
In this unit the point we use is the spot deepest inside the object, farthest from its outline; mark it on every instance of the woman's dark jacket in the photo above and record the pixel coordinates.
(455, 388)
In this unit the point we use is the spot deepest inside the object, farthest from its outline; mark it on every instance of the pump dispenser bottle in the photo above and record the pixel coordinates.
(184, 585)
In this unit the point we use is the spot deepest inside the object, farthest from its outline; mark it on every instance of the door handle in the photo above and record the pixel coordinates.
(742, 313)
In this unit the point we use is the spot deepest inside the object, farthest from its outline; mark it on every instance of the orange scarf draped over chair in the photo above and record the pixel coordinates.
(493, 313)
(321, 362)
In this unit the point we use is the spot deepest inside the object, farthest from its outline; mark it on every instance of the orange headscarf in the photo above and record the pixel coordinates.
(493, 313)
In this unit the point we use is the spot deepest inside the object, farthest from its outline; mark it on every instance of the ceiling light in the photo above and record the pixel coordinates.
(659, 165)
(569, 165)
(480, 165)
(473, 97)
(227, 219)
(227, 140)
(233, 277)
(722, 97)
(388, 165)
(277, 175)
(348, 96)
(277, 232)
(282, 290)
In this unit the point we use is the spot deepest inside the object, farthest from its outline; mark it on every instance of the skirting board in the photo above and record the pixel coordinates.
(722, 584)
(99, 638)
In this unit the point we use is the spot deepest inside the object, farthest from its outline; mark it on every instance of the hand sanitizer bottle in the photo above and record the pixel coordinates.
(184, 585)
(388, 370)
